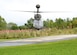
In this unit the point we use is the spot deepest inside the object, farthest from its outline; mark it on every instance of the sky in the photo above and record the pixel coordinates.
(7, 8)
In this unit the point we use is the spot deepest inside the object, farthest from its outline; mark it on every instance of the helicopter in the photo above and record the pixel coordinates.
(37, 23)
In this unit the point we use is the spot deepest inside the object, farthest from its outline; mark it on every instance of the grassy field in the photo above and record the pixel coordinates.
(68, 47)
(30, 33)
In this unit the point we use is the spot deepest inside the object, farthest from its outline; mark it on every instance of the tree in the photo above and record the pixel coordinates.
(48, 23)
(3, 23)
(22, 27)
(12, 26)
(30, 23)
(74, 22)
(59, 23)
(69, 23)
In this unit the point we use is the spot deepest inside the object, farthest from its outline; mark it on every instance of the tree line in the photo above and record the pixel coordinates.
(59, 23)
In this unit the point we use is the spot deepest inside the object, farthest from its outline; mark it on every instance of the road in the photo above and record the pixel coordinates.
(36, 40)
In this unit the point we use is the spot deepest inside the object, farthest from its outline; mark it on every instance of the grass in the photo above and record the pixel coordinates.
(67, 47)
(30, 33)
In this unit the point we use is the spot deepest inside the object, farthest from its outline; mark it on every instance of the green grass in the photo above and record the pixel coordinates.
(68, 47)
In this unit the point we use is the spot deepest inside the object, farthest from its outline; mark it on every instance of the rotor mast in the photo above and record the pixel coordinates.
(37, 6)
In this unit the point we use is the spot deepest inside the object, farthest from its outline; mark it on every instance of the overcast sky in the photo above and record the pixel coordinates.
(7, 7)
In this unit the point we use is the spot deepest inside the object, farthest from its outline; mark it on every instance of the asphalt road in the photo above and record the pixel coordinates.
(36, 40)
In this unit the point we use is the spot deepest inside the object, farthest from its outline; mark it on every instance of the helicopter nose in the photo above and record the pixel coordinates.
(37, 6)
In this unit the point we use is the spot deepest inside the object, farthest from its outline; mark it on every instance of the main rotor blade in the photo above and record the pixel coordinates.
(54, 11)
(45, 11)
(25, 11)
